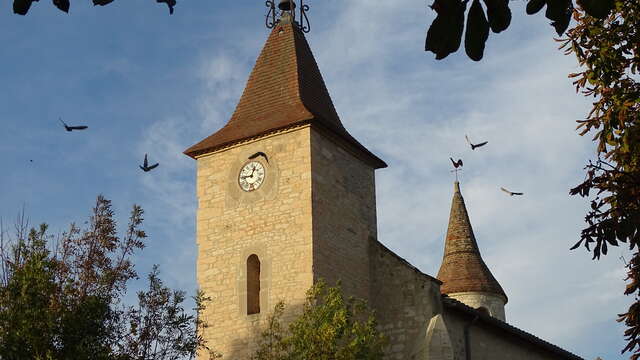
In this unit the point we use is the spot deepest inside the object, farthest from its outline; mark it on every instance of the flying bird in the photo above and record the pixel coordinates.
(474, 146)
(510, 192)
(456, 164)
(71, 128)
(145, 165)
(259, 153)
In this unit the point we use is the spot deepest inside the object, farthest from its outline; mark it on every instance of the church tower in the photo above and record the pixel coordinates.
(464, 274)
(286, 196)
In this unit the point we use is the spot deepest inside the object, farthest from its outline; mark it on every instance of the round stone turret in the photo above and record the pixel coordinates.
(464, 274)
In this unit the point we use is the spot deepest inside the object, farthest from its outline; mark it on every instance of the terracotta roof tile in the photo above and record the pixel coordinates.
(463, 269)
(285, 89)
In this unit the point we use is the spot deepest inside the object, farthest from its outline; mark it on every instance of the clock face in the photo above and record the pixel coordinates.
(251, 176)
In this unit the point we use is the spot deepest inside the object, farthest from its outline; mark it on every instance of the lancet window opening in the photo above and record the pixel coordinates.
(253, 285)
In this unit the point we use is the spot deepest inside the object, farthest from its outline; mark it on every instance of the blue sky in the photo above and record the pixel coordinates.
(147, 82)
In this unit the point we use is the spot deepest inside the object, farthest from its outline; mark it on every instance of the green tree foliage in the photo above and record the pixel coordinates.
(329, 328)
(159, 327)
(64, 299)
(26, 323)
(608, 51)
(21, 7)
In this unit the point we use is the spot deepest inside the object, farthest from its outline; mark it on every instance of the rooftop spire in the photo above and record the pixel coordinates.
(463, 269)
(285, 90)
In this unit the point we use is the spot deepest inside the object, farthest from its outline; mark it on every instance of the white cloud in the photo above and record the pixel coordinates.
(414, 112)
(225, 78)
(170, 189)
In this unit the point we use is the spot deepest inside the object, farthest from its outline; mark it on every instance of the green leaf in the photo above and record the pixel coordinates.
(477, 32)
(445, 33)
(597, 8)
(21, 7)
(534, 6)
(499, 14)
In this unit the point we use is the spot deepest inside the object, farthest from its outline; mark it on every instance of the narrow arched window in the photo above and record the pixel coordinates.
(253, 285)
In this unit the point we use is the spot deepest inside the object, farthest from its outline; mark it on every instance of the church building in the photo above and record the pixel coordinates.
(286, 196)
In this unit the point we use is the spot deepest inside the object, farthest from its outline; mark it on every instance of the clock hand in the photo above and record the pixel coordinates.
(252, 171)
(248, 176)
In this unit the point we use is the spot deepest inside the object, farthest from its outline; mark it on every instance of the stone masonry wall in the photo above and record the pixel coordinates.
(404, 299)
(493, 303)
(346, 249)
(273, 222)
(344, 215)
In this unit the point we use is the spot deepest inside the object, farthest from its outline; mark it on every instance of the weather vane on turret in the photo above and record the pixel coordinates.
(287, 10)
(457, 165)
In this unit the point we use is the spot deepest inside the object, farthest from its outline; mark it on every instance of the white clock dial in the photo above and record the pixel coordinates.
(251, 176)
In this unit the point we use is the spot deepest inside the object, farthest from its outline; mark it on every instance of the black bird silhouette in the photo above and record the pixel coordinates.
(259, 153)
(510, 192)
(474, 146)
(71, 128)
(456, 164)
(145, 165)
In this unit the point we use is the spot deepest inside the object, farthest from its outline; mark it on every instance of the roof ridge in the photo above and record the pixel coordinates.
(404, 261)
(458, 305)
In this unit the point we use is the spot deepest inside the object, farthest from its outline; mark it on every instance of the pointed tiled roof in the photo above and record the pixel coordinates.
(463, 269)
(285, 89)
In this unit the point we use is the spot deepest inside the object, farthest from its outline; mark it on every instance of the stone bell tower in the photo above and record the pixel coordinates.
(286, 195)
(464, 275)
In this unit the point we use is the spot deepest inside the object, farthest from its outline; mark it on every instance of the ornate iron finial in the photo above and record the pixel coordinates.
(287, 10)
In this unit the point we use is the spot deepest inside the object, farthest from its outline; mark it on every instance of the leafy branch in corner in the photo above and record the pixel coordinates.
(606, 47)
(21, 7)
(605, 42)
(445, 33)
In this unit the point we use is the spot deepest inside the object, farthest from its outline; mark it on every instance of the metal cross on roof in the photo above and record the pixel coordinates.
(287, 10)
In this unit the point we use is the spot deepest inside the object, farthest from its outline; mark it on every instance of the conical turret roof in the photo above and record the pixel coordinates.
(285, 90)
(463, 269)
